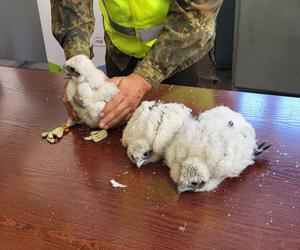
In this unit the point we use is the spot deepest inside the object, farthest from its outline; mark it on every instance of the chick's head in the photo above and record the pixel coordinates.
(140, 152)
(193, 176)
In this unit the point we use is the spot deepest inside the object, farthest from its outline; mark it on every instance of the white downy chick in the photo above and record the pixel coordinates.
(220, 144)
(88, 89)
(151, 129)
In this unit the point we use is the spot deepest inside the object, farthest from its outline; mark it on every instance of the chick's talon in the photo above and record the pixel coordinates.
(58, 132)
(96, 136)
(51, 140)
(52, 136)
(44, 135)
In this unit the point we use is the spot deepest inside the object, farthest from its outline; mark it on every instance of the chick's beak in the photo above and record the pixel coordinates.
(139, 163)
(65, 70)
(182, 189)
(70, 72)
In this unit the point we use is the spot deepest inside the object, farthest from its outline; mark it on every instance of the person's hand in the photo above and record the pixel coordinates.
(71, 113)
(120, 107)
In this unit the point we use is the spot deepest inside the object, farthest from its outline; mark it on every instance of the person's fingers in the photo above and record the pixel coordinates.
(111, 105)
(106, 120)
(64, 98)
(71, 113)
(128, 117)
(121, 118)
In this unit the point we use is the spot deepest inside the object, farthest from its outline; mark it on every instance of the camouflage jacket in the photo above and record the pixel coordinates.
(188, 35)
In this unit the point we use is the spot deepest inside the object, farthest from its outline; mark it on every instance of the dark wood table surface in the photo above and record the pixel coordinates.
(59, 196)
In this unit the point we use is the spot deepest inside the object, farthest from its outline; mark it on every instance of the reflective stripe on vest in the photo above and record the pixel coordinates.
(133, 25)
(145, 35)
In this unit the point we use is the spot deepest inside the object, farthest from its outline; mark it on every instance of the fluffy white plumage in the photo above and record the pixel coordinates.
(219, 144)
(88, 89)
(151, 129)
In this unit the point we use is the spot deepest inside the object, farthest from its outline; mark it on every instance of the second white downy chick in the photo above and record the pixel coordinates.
(151, 129)
(220, 144)
(88, 89)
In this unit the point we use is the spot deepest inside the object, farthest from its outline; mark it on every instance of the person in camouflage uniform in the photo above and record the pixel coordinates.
(181, 53)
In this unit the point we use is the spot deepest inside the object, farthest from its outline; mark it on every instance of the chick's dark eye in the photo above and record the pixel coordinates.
(197, 184)
(201, 183)
(146, 154)
(70, 69)
(131, 157)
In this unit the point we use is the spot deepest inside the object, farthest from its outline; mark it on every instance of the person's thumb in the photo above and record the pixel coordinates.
(115, 80)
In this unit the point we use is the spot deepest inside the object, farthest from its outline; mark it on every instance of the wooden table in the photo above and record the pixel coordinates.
(59, 196)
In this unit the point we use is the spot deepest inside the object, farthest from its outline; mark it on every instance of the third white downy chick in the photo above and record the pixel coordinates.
(88, 89)
(150, 130)
(220, 144)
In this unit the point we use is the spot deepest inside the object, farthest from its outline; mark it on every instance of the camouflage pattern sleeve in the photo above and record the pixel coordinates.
(187, 36)
(72, 25)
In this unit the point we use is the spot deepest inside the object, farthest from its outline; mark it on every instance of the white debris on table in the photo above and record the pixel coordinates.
(182, 228)
(116, 184)
(57, 133)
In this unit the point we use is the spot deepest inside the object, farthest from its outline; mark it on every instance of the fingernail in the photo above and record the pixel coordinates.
(101, 114)
(102, 125)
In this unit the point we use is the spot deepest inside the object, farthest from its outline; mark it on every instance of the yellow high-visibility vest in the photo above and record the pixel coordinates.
(133, 25)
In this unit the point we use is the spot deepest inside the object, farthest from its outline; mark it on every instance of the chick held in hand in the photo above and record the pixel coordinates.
(88, 91)
(219, 144)
(151, 128)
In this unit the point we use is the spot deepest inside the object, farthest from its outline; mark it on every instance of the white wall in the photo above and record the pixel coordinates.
(23, 33)
(20, 31)
(54, 51)
(267, 45)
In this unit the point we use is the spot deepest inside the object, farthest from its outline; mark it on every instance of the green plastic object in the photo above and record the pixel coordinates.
(53, 135)
(97, 136)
